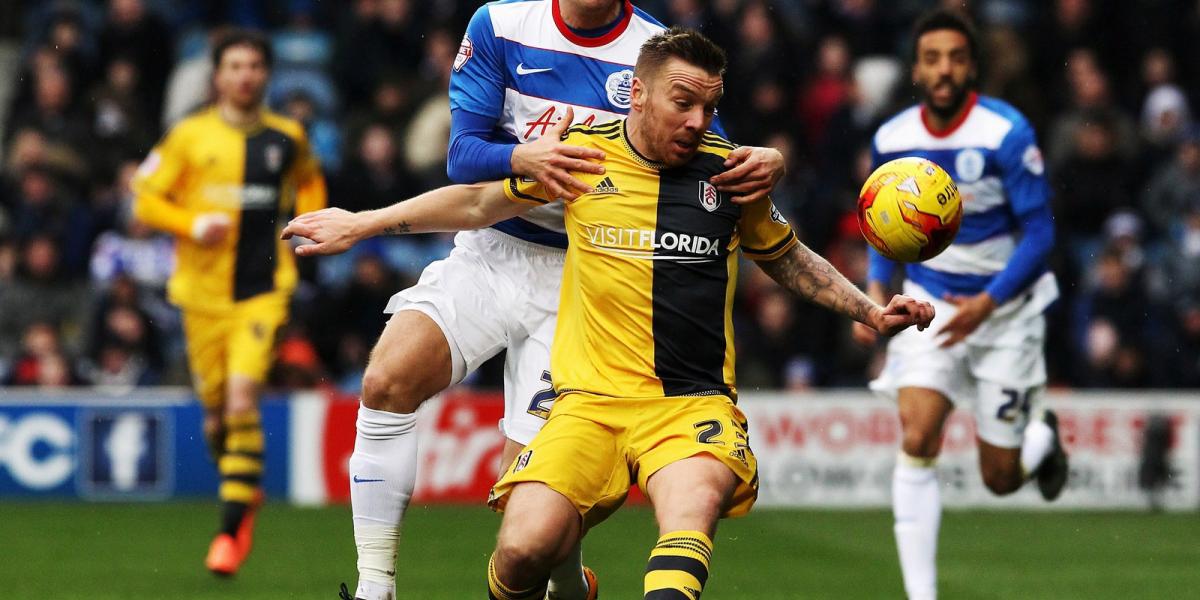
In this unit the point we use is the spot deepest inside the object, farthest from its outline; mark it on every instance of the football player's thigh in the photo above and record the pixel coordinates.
(677, 428)
(460, 295)
(206, 337)
(252, 339)
(577, 457)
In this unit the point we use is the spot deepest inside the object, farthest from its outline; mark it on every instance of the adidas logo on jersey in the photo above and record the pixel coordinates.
(605, 186)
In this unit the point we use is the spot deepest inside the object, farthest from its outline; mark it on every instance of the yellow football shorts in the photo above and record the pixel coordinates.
(240, 342)
(593, 448)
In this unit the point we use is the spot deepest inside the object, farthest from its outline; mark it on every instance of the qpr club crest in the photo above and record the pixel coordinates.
(273, 155)
(620, 88)
(968, 165)
(709, 198)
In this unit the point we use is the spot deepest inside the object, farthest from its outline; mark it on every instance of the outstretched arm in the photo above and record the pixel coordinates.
(451, 208)
(811, 277)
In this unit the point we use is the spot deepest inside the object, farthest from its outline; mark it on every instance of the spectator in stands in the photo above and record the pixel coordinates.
(392, 104)
(828, 90)
(41, 292)
(297, 366)
(1092, 182)
(41, 361)
(1114, 329)
(1183, 277)
(121, 119)
(428, 136)
(381, 36)
(323, 134)
(769, 356)
(1174, 187)
(134, 33)
(1090, 93)
(375, 176)
(52, 110)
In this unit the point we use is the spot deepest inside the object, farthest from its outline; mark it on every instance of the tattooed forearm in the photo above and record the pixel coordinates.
(811, 277)
(397, 229)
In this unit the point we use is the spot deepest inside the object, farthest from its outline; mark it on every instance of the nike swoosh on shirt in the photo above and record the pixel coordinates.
(521, 70)
(359, 480)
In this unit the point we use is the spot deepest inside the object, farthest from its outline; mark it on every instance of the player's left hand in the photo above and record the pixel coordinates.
(333, 231)
(752, 173)
(901, 313)
(972, 310)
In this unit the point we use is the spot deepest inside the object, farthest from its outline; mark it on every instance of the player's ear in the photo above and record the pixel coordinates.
(637, 94)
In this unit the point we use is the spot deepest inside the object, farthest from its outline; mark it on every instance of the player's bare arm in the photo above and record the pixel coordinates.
(811, 277)
(451, 208)
(551, 162)
(862, 333)
(753, 173)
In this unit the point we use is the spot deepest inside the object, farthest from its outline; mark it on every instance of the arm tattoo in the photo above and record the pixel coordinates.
(397, 229)
(811, 277)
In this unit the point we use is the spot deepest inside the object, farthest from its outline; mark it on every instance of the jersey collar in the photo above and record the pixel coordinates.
(589, 42)
(968, 105)
(637, 156)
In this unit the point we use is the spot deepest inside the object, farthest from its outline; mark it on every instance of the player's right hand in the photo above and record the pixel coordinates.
(550, 162)
(900, 313)
(332, 230)
(210, 229)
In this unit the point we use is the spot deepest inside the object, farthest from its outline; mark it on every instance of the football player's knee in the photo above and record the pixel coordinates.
(1002, 481)
(920, 443)
(526, 553)
(391, 390)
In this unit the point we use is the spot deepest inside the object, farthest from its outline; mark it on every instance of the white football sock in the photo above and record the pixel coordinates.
(567, 581)
(1036, 446)
(383, 473)
(917, 506)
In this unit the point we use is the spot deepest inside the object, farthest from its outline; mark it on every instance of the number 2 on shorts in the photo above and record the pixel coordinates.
(539, 407)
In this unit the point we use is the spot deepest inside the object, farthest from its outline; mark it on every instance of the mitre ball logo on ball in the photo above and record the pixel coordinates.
(909, 209)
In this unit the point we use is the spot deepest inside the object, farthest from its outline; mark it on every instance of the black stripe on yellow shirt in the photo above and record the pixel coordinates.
(689, 305)
(269, 153)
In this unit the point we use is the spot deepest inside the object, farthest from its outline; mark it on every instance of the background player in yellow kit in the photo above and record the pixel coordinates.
(643, 357)
(222, 181)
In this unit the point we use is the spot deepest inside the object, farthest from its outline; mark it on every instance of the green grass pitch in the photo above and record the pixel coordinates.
(98, 551)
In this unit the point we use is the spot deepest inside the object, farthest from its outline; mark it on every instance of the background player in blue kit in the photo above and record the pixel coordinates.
(521, 65)
(990, 288)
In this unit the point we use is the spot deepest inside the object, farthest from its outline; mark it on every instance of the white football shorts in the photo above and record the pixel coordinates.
(495, 292)
(999, 370)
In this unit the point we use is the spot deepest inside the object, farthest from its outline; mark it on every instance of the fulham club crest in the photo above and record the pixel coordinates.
(709, 198)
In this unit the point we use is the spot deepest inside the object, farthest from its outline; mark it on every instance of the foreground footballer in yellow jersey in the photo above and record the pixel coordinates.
(643, 351)
(222, 181)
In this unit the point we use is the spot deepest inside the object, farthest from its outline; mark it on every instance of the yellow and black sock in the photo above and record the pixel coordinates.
(499, 591)
(241, 467)
(678, 566)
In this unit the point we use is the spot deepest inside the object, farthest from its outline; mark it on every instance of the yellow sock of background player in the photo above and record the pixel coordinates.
(241, 468)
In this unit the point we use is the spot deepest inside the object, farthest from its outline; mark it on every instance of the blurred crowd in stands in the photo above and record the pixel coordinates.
(1108, 85)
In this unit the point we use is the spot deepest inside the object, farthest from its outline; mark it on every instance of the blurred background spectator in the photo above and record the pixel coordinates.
(1110, 86)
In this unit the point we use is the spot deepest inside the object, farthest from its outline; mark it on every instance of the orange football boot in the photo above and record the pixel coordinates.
(224, 557)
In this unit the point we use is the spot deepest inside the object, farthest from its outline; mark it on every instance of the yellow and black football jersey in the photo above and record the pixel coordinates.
(259, 177)
(647, 291)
